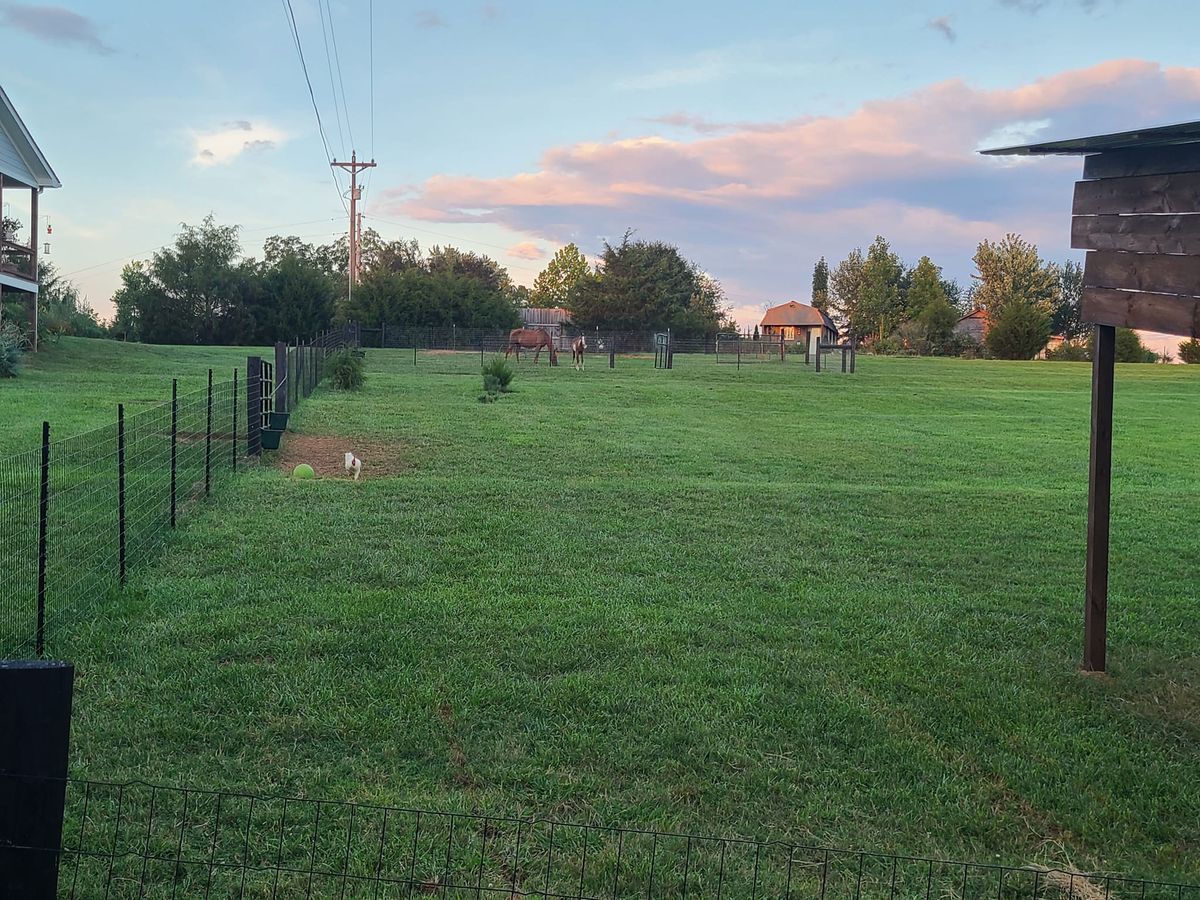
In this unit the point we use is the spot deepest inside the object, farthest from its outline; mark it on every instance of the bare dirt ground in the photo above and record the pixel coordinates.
(326, 453)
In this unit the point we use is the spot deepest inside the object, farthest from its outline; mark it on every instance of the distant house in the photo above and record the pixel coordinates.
(798, 322)
(972, 325)
(24, 173)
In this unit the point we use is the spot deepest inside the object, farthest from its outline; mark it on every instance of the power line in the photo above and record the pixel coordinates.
(291, 16)
(338, 60)
(329, 65)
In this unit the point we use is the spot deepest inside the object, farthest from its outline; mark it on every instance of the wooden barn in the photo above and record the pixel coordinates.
(555, 319)
(795, 321)
(24, 174)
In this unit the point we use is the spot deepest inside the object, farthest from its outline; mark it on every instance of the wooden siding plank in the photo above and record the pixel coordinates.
(1149, 161)
(1143, 194)
(1156, 273)
(1137, 234)
(1154, 312)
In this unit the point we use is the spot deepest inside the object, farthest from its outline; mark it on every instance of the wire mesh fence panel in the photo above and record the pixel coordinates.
(20, 480)
(140, 840)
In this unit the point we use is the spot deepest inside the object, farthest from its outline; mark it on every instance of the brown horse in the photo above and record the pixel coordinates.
(531, 339)
(577, 347)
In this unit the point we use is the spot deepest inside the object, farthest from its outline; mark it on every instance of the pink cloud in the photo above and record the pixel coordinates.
(757, 203)
(526, 250)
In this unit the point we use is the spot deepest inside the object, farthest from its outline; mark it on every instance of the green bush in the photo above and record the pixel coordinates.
(346, 371)
(12, 350)
(1069, 351)
(1017, 330)
(1189, 351)
(499, 374)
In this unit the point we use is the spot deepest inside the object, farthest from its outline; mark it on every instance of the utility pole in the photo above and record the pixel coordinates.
(354, 167)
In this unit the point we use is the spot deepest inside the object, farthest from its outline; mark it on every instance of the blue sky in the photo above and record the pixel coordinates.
(756, 136)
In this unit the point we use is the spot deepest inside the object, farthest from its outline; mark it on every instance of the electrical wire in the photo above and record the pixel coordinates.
(329, 65)
(342, 84)
(291, 17)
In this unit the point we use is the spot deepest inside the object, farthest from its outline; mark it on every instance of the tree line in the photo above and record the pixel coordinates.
(891, 307)
(201, 290)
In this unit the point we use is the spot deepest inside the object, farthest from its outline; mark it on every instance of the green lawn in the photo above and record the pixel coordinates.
(837, 609)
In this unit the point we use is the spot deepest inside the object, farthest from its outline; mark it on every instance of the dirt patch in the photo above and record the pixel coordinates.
(461, 776)
(326, 453)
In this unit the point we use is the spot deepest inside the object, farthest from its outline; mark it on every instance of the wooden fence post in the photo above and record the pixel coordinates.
(281, 377)
(35, 731)
(1095, 615)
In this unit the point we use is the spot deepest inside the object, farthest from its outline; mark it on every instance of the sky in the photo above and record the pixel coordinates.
(757, 137)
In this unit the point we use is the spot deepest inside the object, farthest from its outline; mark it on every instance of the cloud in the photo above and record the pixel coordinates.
(54, 24)
(1033, 7)
(428, 18)
(526, 250)
(942, 25)
(491, 11)
(231, 140)
(758, 203)
(698, 124)
(769, 59)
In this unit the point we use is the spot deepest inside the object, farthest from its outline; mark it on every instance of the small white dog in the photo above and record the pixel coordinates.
(353, 465)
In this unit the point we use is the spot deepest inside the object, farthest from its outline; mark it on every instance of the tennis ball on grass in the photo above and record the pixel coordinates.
(304, 470)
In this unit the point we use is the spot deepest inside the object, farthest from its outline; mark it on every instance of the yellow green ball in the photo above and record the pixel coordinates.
(304, 470)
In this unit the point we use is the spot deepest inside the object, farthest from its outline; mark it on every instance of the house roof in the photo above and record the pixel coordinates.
(1162, 136)
(20, 157)
(793, 313)
(973, 314)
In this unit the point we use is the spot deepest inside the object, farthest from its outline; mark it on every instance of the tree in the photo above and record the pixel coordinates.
(925, 287)
(756, 334)
(452, 261)
(1017, 331)
(61, 309)
(820, 285)
(845, 291)
(295, 296)
(1066, 318)
(881, 306)
(1010, 271)
(1130, 348)
(938, 318)
(648, 286)
(1189, 352)
(554, 283)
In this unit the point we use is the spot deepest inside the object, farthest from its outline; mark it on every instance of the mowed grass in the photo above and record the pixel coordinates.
(76, 383)
(835, 609)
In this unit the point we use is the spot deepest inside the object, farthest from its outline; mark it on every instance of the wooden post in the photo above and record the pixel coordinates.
(1095, 616)
(818, 357)
(853, 351)
(33, 257)
(35, 730)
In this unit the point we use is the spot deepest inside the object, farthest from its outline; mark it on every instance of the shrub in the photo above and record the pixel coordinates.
(12, 350)
(1069, 351)
(346, 370)
(1189, 351)
(1018, 330)
(499, 374)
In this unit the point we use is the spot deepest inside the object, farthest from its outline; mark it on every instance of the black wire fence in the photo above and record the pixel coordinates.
(141, 840)
(453, 350)
(79, 512)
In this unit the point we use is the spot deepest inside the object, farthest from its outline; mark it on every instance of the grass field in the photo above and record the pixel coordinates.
(837, 609)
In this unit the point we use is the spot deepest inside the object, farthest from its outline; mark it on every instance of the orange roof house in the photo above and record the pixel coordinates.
(794, 321)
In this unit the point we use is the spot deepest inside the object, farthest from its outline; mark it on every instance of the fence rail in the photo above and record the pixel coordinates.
(136, 839)
(80, 511)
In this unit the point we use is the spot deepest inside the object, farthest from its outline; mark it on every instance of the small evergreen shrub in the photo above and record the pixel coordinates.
(346, 371)
(12, 350)
(1189, 351)
(1068, 351)
(499, 374)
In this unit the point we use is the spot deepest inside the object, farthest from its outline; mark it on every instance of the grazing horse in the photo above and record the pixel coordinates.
(531, 339)
(577, 347)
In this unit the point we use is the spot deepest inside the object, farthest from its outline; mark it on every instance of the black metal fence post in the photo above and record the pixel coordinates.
(281, 376)
(253, 405)
(612, 351)
(174, 440)
(818, 363)
(35, 731)
(233, 443)
(43, 514)
(208, 439)
(853, 351)
(843, 359)
(121, 560)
